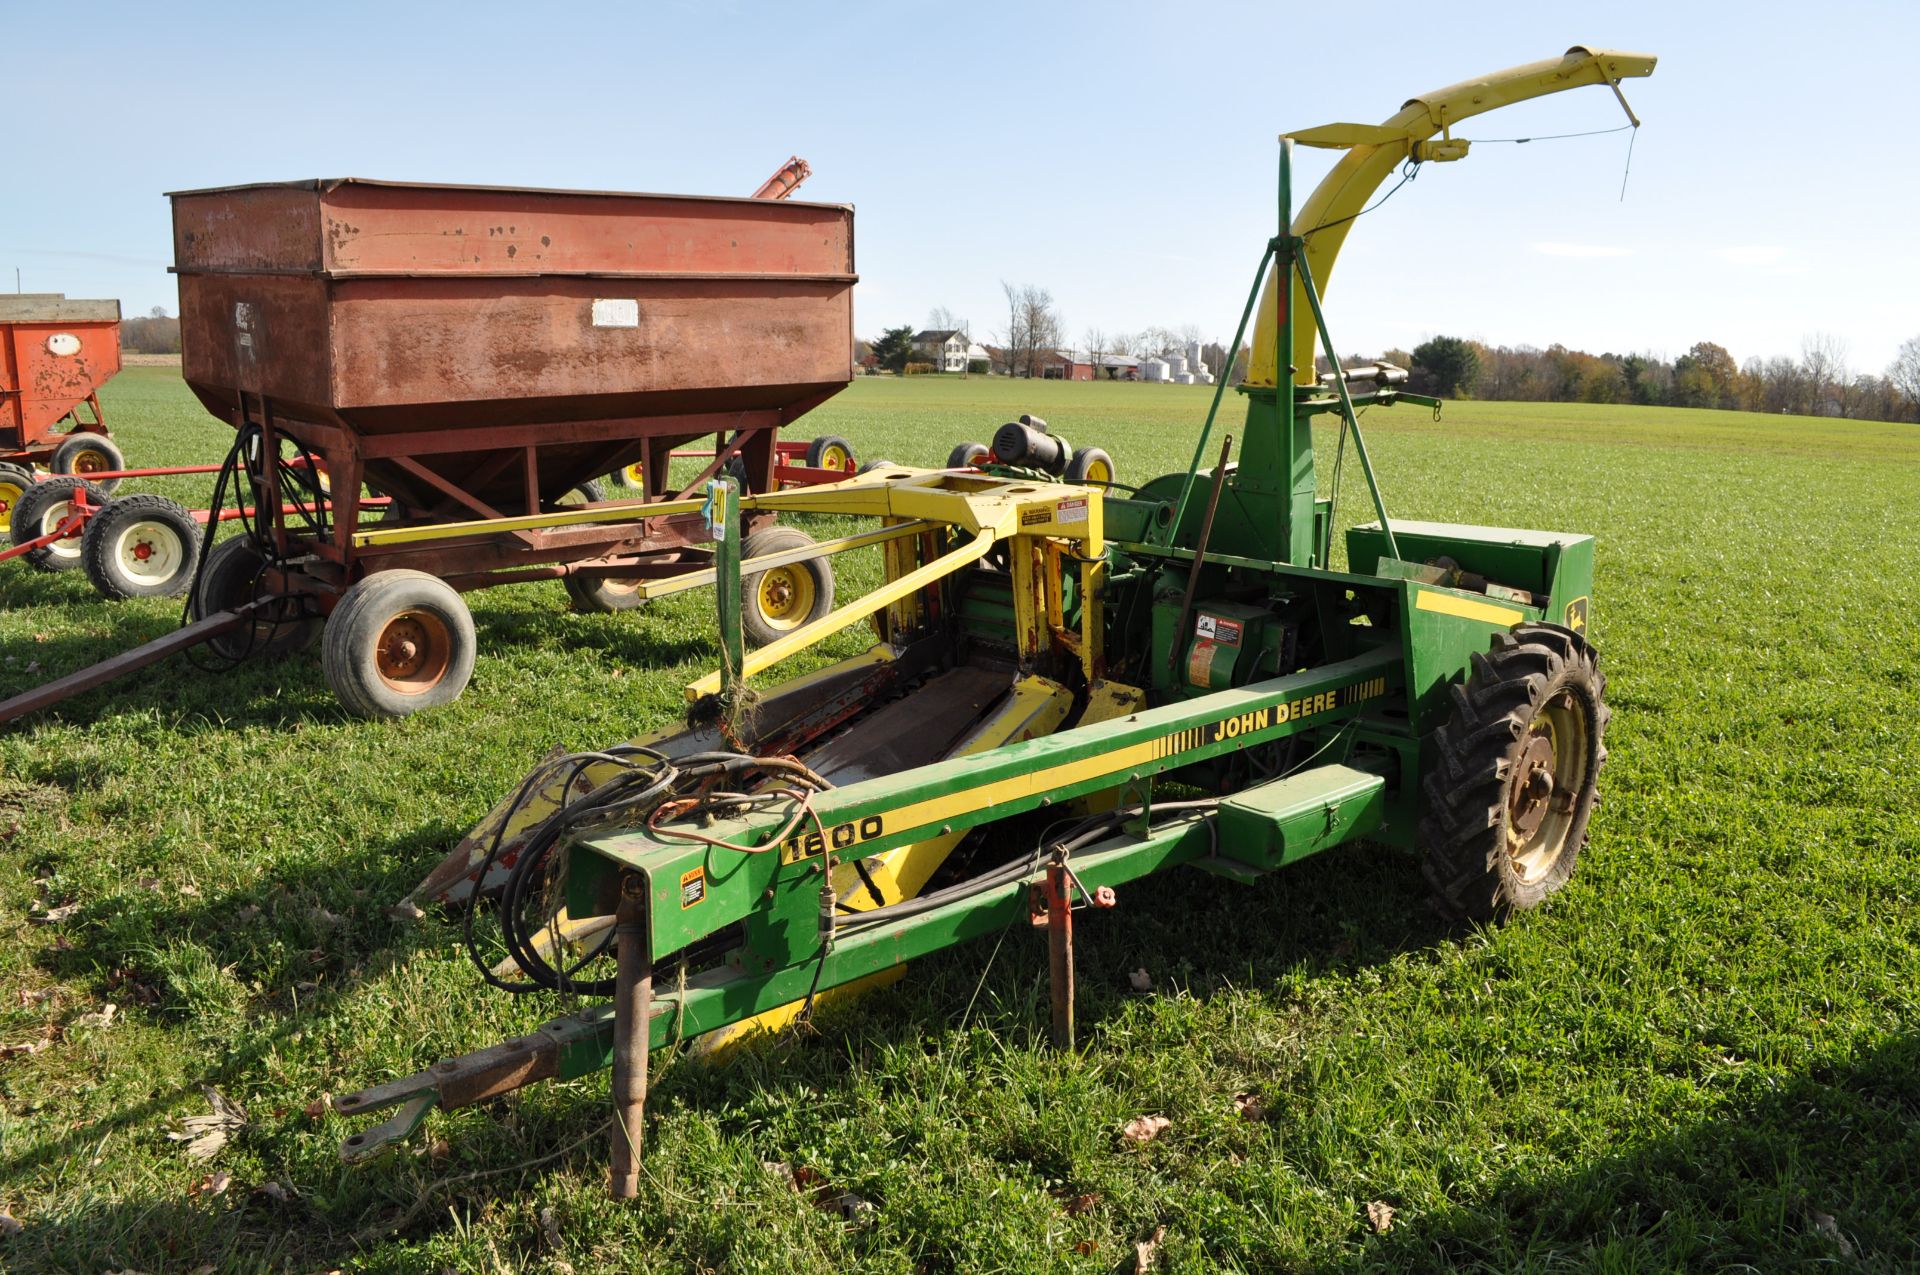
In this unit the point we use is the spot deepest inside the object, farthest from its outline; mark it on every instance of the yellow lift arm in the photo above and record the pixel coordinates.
(1375, 150)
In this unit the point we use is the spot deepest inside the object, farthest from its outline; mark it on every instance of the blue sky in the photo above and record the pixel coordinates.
(1120, 155)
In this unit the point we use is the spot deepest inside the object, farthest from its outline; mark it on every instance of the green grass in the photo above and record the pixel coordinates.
(1702, 1054)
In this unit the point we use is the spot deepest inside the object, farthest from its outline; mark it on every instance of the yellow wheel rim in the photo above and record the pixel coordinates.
(90, 461)
(10, 494)
(1099, 472)
(635, 475)
(785, 597)
(836, 457)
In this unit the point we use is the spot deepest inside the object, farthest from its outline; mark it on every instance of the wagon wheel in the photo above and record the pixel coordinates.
(398, 642)
(141, 546)
(634, 476)
(41, 510)
(969, 455)
(85, 454)
(1089, 465)
(231, 577)
(1513, 776)
(778, 600)
(15, 482)
(830, 451)
(595, 595)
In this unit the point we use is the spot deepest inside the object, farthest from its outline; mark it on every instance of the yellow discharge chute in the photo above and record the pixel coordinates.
(1375, 150)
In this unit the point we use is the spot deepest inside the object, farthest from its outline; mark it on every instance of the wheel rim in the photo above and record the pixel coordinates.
(413, 652)
(1099, 471)
(89, 461)
(785, 597)
(1544, 787)
(978, 457)
(149, 552)
(620, 588)
(834, 456)
(67, 546)
(10, 494)
(635, 475)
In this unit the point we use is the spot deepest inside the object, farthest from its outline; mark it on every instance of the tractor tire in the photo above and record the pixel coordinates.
(1515, 774)
(1089, 465)
(141, 546)
(399, 641)
(87, 453)
(229, 578)
(969, 456)
(778, 600)
(600, 595)
(15, 482)
(830, 451)
(41, 510)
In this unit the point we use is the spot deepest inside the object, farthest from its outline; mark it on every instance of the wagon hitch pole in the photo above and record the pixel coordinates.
(204, 630)
(632, 1028)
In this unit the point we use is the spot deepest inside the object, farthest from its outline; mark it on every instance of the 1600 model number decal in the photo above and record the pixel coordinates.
(841, 836)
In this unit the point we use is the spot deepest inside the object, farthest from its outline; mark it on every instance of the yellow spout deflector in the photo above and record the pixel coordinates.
(1374, 151)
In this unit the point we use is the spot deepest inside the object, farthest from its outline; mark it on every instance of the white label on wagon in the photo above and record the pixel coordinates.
(616, 312)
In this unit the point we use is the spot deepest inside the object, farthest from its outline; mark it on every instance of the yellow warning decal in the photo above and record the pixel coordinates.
(1466, 608)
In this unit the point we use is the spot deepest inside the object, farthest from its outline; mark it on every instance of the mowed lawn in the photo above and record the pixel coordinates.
(1705, 1052)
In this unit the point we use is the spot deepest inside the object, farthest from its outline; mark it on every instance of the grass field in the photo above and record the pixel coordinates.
(1705, 1053)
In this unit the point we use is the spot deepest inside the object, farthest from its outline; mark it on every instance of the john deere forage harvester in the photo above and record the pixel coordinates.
(1175, 677)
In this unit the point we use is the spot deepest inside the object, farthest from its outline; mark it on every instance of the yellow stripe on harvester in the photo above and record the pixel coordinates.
(1467, 608)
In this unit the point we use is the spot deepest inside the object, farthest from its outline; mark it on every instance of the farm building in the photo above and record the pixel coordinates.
(948, 350)
(1079, 365)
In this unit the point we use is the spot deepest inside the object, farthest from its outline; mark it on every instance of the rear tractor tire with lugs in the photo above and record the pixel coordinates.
(1514, 774)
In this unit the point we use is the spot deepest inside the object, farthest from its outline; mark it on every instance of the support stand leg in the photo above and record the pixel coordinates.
(632, 1028)
(1060, 951)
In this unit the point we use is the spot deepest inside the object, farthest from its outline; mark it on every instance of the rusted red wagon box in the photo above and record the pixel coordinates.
(477, 353)
(55, 354)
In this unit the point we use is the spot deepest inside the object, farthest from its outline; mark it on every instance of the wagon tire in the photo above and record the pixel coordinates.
(398, 642)
(86, 453)
(589, 492)
(778, 600)
(41, 509)
(15, 482)
(830, 451)
(601, 595)
(1089, 465)
(141, 546)
(230, 577)
(969, 455)
(872, 465)
(1514, 774)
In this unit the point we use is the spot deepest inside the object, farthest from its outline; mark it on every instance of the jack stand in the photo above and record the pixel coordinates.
(632, 1030)
(1059, 898)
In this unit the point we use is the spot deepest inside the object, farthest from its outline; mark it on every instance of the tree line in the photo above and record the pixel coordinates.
(1821, 382)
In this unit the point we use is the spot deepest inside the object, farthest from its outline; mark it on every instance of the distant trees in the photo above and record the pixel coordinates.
(894, 348)
(1033, 326)
(1704, 376)
(1903, 374)
(153, 334)
(1451, 364)
(1821, 382)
